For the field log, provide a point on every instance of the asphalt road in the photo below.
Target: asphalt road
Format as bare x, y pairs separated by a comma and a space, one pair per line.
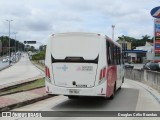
22, 70
133, 96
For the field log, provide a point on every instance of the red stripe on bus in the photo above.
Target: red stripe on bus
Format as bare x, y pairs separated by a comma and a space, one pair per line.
111, 78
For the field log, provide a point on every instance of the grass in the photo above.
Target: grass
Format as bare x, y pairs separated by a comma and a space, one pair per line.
35, 84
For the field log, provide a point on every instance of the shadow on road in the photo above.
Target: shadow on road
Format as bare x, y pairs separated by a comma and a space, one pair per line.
124, 100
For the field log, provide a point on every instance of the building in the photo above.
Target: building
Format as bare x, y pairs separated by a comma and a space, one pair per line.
125, 46
148, 47
141, 54
136, 56
150, 50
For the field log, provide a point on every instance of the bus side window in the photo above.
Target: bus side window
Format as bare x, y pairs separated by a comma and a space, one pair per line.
111, 53
116, 57
119, 56
108, 52
122, 58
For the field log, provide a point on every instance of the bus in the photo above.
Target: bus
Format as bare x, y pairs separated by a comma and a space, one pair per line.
83, 64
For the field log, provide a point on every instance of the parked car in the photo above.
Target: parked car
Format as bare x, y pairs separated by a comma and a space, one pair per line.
127, 65
151, 66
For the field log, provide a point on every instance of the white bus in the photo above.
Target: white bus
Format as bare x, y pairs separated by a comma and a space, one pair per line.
83, 64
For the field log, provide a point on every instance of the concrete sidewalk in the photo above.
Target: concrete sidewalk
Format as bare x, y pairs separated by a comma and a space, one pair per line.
11, 101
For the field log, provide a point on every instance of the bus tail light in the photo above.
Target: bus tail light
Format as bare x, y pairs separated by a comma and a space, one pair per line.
47, 72
102, 73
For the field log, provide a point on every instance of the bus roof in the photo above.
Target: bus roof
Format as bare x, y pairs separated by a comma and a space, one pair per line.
76, 33
85, 34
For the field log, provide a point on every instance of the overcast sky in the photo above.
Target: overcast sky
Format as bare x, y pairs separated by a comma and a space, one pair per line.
37, 19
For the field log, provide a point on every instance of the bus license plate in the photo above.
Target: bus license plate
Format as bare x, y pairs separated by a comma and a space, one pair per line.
71, 91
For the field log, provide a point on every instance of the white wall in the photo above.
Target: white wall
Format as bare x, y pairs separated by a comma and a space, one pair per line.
148, 47
132, 55
149, 56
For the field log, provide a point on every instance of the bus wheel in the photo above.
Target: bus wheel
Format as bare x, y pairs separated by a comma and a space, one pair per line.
123, 79
112, 96
72, 97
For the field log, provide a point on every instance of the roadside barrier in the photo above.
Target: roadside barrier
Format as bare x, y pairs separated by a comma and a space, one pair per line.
151, 78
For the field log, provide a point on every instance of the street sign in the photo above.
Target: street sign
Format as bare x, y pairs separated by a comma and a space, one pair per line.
29, 42
157, 34
157, 46
155, 12
157, 39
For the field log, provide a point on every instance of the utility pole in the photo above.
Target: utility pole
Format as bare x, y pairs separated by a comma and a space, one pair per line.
15, 41
113, 26
9, 39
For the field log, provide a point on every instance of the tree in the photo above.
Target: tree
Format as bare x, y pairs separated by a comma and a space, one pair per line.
13, 43
42, 48
31, 48
126, 38
136, 42
146, 38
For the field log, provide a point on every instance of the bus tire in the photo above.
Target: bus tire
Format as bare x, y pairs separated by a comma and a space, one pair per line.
123, 79
122, 82
51, 95
72, 97
112, 96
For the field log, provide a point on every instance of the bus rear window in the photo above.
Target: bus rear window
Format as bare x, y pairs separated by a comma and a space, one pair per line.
75, 46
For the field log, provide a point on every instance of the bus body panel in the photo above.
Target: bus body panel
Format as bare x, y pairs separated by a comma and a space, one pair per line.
80, 78
74, 74
99, 90
111, 79
85, 46
120, 75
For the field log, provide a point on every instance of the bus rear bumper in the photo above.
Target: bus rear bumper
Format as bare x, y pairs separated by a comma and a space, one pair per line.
99, 90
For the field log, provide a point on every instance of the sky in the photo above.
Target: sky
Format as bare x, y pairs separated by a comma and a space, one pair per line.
37, 19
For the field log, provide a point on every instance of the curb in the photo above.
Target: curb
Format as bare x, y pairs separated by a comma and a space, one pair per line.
18, 83
27, 102
5, 67
17, 91
38, 66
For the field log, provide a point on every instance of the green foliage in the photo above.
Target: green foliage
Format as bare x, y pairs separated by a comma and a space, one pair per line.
13, 42
42, 48
30, 48
136, 42
39, 56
